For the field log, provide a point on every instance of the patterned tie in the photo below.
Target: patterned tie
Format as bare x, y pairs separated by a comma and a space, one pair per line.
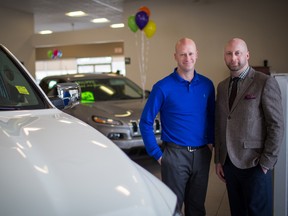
233, 92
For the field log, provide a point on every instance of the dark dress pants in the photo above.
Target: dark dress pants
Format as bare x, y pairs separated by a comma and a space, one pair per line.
186, 173
249, 190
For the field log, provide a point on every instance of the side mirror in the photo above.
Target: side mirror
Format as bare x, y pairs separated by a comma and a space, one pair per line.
69, 95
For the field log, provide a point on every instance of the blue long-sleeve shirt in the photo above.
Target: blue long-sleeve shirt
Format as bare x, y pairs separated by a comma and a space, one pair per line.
186, 112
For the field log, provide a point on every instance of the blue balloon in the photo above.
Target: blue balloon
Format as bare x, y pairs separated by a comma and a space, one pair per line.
141, 19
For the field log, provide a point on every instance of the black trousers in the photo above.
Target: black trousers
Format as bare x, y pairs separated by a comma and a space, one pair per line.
186, 173
249, 190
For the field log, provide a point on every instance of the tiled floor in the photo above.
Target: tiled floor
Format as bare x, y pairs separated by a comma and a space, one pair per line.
216, 200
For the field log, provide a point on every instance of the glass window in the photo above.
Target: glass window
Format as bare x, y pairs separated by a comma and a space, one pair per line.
108, 89
17, 90
51, 67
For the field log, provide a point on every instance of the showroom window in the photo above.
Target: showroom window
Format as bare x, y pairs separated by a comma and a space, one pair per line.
80, 65
94, 65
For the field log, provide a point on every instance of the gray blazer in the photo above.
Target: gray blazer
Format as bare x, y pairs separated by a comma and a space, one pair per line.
252, 131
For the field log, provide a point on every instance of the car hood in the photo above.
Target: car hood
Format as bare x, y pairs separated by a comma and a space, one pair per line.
75, 172
119, 109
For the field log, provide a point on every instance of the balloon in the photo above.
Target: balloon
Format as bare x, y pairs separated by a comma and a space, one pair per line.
132, 24
150, 29
55, 53
141, 19
145, 9
59, 54
50, 53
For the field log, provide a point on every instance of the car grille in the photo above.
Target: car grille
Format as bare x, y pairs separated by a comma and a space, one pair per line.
136, 130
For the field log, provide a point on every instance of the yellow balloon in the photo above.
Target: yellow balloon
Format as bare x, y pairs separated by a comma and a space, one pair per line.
150, 29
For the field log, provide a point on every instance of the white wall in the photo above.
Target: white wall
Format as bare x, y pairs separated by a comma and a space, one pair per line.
17, 30
210, 23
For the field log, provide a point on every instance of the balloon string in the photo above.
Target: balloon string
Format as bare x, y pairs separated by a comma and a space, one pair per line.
142, 60
145, 48
145, 63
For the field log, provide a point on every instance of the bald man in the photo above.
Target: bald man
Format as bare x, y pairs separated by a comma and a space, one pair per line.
185, 100
248, 133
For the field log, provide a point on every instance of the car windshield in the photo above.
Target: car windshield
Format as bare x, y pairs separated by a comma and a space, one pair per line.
17, 90
108, 89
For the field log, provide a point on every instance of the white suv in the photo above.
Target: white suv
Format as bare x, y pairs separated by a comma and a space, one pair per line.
53, 164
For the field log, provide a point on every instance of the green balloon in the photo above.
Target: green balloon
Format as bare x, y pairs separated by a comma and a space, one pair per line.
50, 53
132, 24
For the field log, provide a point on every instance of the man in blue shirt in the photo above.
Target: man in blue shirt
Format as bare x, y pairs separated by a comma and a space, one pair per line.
186, 101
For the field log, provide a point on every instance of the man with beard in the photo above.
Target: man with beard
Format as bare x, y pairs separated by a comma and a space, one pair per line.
248, 133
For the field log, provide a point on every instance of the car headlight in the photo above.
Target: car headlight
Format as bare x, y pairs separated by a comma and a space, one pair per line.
108, 121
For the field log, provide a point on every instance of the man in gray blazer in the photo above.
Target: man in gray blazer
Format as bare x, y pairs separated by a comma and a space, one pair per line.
248, 134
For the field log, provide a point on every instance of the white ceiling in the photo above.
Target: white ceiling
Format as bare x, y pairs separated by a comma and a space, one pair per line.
50, 14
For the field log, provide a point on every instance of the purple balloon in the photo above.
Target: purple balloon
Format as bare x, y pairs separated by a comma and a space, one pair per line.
141, 19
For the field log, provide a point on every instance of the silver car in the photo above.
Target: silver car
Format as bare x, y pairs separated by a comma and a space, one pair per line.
52, 163
110, 103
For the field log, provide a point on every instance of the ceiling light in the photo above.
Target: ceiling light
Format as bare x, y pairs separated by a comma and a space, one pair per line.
100, 20
118, 25
76, 14
46, 32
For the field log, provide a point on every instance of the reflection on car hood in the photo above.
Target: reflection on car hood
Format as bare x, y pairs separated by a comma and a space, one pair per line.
41, 170
129, 108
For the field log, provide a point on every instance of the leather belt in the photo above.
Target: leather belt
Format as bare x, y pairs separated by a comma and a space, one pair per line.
189, 148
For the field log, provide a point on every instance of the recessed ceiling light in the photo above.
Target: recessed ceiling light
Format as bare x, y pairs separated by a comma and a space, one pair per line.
118, 25
100, 20
46, 32
76, 14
